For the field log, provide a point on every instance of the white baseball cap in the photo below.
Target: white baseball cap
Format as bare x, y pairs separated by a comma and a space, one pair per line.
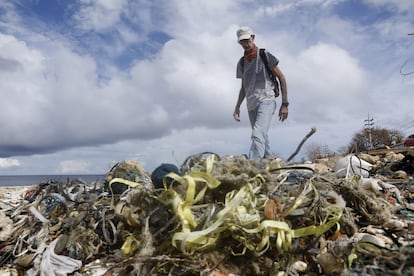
244, 33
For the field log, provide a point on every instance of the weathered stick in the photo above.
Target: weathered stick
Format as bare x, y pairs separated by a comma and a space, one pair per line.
313, 130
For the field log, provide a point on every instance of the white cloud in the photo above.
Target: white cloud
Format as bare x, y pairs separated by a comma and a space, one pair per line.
334, 82
99, 15
73, 167
59, 95
9, 163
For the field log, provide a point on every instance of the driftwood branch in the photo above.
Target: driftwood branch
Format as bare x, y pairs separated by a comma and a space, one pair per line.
313, 130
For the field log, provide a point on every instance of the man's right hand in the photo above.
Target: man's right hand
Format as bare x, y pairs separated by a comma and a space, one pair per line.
236, 116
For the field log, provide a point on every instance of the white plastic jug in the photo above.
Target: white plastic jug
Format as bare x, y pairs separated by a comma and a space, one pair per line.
351, 165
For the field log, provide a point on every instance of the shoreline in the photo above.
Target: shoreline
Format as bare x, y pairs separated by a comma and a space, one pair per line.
29, 180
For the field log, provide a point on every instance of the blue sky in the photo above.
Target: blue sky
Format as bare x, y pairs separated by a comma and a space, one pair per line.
89, 83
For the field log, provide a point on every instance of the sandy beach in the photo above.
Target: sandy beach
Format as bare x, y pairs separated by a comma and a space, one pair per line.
13, 194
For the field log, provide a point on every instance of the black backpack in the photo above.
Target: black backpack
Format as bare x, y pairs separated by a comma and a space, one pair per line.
269, 70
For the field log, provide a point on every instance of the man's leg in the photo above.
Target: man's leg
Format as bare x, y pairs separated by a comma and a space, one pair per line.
268, 152
260, 120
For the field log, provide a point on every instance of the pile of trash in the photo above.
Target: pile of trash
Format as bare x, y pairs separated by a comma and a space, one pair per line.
215, 215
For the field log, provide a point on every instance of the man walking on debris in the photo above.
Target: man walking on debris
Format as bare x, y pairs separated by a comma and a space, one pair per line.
260, 91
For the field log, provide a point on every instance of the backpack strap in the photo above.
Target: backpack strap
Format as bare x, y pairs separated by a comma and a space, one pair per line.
269, 70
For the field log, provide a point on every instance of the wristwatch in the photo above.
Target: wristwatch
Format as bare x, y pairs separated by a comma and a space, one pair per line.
285, 104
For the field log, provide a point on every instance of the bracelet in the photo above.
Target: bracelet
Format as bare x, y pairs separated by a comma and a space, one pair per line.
286, 104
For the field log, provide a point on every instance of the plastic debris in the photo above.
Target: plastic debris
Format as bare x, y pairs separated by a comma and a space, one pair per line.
53, 264
215, 215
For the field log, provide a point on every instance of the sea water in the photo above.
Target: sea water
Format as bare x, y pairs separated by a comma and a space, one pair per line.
28, 180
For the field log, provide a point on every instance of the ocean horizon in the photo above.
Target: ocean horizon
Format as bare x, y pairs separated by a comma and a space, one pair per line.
29, 180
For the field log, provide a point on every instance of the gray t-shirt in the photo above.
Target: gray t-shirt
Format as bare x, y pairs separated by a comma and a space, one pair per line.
257, 84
